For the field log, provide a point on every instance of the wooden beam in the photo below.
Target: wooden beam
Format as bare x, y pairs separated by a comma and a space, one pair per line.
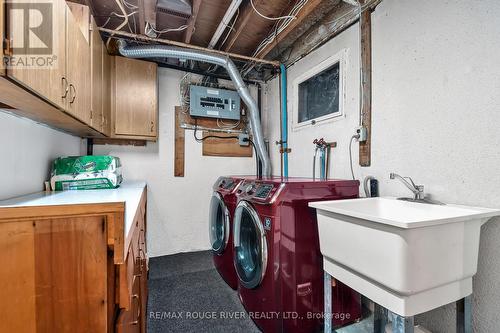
224, 147
192, 21
147, 13
303, 13
366, 87
245, 14
179, 143
333, 23
115, 34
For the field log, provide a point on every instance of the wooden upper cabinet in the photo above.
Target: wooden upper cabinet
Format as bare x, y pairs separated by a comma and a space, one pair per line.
96, 82
78, 70
134, 99
47, 81
106, 91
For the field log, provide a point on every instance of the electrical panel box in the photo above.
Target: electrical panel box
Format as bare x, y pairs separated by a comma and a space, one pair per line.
214, 103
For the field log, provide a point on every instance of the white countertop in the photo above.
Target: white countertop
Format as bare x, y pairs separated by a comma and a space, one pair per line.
129, 193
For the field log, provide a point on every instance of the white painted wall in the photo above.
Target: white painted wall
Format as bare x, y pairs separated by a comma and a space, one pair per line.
27, 150
177, 206
436, 104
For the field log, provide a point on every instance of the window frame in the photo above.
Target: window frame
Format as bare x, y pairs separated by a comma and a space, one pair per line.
341, 59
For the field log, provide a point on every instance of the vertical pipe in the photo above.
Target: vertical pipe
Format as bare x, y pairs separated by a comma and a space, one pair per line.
322, 171
284, 120
259, 105
328, 310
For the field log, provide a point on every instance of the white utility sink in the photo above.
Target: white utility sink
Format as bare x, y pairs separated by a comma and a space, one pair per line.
408, 257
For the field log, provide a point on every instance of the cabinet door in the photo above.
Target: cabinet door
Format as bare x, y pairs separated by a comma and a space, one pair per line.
96, 64
71, 258
106, 91
78, 70
48, 80
135, 101
17, 295
54, 274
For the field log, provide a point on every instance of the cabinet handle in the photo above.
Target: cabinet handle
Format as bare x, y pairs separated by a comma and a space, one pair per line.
152, 127
64, 81
72, 87
136, 297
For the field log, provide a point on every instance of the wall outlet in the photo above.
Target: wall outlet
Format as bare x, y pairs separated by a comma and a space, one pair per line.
243, 139
362, 132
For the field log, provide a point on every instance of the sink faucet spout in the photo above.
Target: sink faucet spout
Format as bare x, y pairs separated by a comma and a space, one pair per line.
418, 190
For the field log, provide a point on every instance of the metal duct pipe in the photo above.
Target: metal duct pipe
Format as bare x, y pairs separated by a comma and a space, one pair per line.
163, 51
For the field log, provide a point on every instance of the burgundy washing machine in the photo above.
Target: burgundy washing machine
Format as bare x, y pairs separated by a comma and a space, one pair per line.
277, 255
222, 206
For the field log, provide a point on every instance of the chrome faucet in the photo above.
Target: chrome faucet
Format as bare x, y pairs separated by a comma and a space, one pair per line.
418, 190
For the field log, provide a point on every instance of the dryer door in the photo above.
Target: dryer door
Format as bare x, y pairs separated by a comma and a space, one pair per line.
218, 224
250, 246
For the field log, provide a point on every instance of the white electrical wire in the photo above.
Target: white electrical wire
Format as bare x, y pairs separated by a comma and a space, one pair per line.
124, 23
222, 125
270, 18
355, 136
231, 28
279, 28
129, 5
149, 27
117, 15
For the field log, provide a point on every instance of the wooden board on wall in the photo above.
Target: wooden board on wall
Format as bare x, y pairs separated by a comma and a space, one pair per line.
224, 147
366, 86
212, 146
179, 143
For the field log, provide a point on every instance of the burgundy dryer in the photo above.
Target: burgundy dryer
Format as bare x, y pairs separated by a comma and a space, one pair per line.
277, 255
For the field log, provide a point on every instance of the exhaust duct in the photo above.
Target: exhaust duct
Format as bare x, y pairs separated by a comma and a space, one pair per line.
163, 51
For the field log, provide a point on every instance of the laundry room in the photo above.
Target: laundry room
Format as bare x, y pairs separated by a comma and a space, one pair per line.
285, 166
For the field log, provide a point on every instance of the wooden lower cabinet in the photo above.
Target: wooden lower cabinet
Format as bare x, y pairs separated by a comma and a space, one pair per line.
71, 269
133, 318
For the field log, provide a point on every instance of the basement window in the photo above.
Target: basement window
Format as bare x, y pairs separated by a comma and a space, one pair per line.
319, 93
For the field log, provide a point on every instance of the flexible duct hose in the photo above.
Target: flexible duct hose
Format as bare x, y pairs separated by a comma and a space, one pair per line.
163, 51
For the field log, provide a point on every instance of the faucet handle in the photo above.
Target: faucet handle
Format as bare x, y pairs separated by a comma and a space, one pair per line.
411, 181
420, 194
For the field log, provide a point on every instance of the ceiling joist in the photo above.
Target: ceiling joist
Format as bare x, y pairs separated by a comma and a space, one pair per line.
337, 20
304, 12
192, 21
245, 14
147, 13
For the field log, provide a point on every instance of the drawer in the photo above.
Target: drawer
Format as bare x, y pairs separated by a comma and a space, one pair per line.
131, 320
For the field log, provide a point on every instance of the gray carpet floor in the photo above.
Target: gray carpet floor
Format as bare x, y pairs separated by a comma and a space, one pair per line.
186, 294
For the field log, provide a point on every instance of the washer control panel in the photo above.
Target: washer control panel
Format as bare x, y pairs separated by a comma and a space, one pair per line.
263, 191
226, 183
256, 190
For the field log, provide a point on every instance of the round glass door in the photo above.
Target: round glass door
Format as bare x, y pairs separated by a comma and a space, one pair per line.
218, 224
250, 247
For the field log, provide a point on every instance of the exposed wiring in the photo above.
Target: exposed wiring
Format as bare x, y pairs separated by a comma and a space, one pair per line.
149, 27
222, 125
114, 14
124, 23
279, 27
231, 28
209, 136
129, 5
354, 137
270, 18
